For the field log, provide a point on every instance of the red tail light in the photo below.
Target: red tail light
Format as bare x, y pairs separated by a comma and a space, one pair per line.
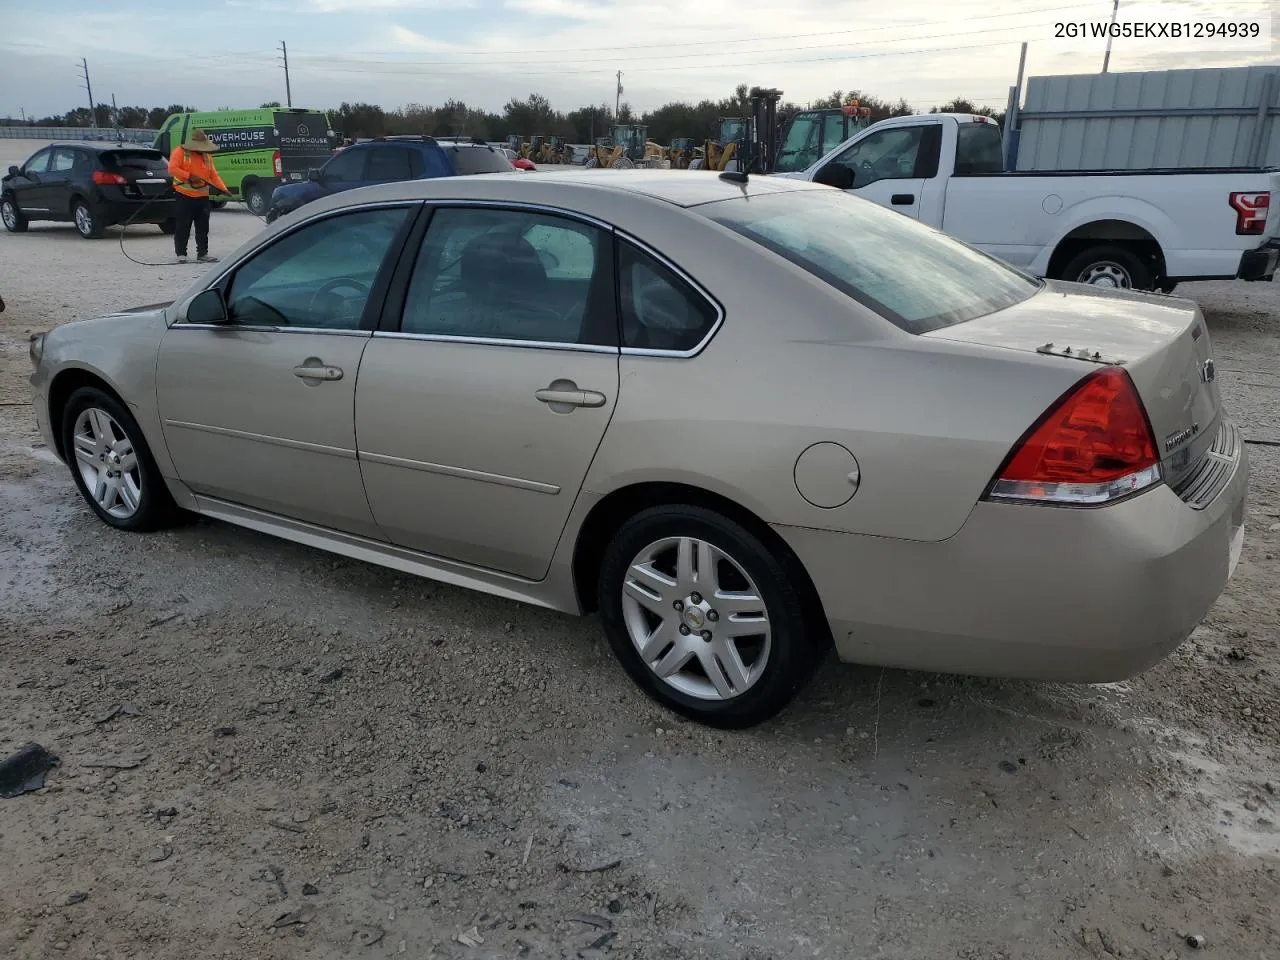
104, 179
276, 165
1251, 211
1093, 446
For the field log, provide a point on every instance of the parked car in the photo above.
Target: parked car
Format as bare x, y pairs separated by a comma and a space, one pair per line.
93, 185
388, 160
742, 419
1133, 229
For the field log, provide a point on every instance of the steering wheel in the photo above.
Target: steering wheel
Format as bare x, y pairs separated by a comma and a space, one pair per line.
329, 307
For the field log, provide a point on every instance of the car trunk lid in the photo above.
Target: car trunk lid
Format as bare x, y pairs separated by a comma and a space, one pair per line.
1163, 344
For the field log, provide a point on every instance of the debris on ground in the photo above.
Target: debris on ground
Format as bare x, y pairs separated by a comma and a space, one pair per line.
24, 771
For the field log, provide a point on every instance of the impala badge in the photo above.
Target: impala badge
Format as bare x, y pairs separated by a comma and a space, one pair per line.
1207, 371
1179, 437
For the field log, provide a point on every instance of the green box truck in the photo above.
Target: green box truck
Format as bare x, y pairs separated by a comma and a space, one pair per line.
257, 149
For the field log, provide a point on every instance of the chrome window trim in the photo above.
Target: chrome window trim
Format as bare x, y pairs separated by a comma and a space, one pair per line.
441, 202
261, 328
497, 342
697, 288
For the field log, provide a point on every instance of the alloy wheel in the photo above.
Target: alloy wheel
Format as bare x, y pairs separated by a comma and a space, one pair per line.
696, 618
108, 464
9, 214
84, 220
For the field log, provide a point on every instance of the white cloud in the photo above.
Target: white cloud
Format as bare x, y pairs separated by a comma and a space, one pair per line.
568, 9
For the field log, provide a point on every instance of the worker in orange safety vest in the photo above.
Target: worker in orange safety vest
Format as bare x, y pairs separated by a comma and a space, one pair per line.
191, 166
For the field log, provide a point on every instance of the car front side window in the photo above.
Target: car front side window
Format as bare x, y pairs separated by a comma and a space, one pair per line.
886, 155
38, 163
512, 275
320, 276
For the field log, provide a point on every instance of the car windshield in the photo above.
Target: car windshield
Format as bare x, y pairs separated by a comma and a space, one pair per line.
468, 160
914, 276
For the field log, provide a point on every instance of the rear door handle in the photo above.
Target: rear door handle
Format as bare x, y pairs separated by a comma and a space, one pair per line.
570, 397
318, 372
903, 199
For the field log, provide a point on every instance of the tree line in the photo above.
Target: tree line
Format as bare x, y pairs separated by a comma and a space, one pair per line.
532, 116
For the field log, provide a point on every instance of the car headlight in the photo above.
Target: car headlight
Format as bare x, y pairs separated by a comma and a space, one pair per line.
35, 349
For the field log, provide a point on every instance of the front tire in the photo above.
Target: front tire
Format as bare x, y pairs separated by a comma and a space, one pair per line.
704, 617
112, 465
12, 217
88, 223
1109, 266
217, 203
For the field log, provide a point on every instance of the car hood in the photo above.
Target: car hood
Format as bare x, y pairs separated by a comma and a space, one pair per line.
295, 193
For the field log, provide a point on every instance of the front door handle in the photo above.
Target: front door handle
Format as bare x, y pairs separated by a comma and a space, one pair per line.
317, 371
565, 393
903, 199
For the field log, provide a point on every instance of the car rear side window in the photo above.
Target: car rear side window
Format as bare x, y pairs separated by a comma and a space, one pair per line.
64, 159
978, 149
477, 159
916, 277
515, 275
659, 310
392, 163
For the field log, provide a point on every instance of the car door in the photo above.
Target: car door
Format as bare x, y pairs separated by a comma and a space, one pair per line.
29, 191
893, 166
479, 414
258, 411
57, 182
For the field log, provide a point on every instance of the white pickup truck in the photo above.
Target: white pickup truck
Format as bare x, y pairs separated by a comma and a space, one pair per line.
1143, 229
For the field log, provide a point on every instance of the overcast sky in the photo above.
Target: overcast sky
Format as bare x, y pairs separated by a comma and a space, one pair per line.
219, 53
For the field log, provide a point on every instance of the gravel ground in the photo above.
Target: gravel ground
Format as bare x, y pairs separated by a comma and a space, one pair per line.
270, 752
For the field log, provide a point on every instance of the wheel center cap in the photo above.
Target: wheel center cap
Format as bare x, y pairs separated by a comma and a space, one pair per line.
694, 617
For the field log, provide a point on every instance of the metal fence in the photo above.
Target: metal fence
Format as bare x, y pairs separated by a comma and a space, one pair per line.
129, 134
1206, 117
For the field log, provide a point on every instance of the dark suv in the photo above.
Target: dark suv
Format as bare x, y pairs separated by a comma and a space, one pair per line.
93, 185
387, 160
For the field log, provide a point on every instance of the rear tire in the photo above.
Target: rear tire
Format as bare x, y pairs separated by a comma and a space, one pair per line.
96, 425
13, 219
257, 199
1110, 267
168, 226
88, 221
671, 616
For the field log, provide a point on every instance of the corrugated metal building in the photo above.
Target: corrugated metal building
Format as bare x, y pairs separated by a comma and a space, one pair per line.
1155, 119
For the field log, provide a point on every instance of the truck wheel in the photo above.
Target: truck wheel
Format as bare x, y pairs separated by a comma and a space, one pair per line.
1108, 266
217, 204
257, 198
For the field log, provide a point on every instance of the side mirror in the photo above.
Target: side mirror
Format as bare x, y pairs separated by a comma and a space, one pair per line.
314, 175
208, 307
835, 175
14, 171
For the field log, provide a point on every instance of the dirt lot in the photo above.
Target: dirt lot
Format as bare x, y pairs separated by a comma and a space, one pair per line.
269, 752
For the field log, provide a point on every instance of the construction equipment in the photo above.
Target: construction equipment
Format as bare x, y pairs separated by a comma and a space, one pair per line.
811, 134
744, 144
605, 153
554, 150
681, 153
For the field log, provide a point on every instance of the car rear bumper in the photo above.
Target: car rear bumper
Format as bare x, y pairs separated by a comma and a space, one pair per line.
120, 210
1260, 263
1038, 593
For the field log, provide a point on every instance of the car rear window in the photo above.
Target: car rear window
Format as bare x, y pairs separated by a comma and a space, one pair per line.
148, 160
468, 160
918, 278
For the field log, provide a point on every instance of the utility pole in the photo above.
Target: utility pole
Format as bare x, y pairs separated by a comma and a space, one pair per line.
93, 114
617, 101
288, 93
1106, 57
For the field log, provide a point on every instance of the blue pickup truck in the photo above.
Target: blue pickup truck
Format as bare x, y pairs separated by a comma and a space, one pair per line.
387, 160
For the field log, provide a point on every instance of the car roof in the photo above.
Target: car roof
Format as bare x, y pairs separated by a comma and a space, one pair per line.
682, 188
101, 145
